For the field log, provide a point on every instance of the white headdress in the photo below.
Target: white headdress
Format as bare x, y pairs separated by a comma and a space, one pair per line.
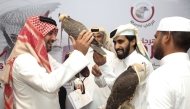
107, 41
130, 29
174, 24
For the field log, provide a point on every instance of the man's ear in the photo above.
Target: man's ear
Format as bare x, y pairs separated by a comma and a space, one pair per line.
167, 37
133, 42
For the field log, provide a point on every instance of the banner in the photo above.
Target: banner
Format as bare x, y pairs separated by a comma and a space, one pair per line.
144, 14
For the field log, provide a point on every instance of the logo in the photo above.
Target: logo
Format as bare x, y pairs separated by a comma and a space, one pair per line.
1, 66
2, 62
142, 11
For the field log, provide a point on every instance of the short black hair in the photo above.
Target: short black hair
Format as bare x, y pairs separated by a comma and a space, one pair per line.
48, 20
131, 38
180, 39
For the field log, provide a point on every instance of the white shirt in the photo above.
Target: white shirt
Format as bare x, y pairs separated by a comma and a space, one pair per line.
34, 88
99, 95
112, 69
168, 86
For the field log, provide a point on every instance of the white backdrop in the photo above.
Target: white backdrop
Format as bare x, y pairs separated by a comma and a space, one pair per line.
106, 13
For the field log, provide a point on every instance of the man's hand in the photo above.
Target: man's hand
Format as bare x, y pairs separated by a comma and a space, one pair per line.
83, 41
99, 59
79, 86
96, 71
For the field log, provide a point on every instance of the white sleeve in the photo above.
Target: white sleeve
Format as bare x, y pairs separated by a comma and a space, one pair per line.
108, 72
159, 95
54, 65
100, 81
37, 77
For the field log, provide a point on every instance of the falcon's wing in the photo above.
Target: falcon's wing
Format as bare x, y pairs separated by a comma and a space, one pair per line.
72, 27
14, 20
123, 88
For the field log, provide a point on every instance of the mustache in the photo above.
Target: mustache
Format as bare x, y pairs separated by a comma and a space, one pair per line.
119, 49
51, 41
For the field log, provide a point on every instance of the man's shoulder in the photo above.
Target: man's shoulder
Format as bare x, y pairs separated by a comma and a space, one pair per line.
158, 73
25, 57
140, 57
24, 61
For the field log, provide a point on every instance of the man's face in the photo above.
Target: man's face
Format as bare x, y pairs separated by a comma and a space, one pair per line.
158, 49
121, 46
99, 37
49, 39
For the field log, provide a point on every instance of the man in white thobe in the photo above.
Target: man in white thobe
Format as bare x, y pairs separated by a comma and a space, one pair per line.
130, 50
168, 87
32, 77
99, 95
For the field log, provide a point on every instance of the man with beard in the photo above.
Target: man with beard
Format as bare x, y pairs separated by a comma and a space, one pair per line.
168, 87
99, 95
130, 50
31, 76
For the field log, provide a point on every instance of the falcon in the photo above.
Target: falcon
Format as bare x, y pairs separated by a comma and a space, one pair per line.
73, 28
124, 88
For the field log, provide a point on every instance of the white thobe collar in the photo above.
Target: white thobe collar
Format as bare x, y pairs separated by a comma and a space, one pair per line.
129, 58
174, 57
